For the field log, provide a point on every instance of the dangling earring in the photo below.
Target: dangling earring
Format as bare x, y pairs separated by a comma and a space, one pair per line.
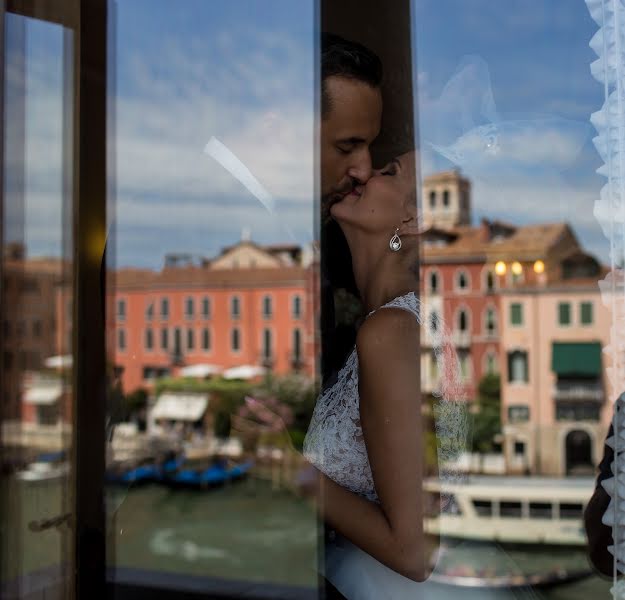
395, 243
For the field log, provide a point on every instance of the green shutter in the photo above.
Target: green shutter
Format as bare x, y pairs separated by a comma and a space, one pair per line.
586, 313
576, 358
516, 314
564, 313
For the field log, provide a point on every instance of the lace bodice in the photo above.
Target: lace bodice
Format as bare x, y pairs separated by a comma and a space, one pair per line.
334, 442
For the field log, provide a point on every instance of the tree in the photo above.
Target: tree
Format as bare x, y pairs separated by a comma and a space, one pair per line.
487, 419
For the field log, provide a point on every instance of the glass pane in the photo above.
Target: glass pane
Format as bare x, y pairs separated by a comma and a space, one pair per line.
505, 97
214, 219
37, 400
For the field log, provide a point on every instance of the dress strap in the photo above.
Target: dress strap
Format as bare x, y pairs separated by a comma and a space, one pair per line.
408, 302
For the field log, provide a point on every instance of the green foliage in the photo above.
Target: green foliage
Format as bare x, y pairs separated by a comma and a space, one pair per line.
487, 420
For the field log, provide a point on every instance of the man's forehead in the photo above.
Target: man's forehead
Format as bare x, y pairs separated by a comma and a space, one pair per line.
355, 111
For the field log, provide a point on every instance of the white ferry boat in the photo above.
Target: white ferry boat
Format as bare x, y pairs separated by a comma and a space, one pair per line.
516, 510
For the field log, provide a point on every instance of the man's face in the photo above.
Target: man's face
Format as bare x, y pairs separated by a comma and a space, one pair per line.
352, 123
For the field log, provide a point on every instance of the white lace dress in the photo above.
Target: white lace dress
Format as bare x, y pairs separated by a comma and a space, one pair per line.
335, 445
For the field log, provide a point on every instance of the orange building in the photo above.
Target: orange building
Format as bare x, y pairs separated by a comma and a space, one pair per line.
251, 306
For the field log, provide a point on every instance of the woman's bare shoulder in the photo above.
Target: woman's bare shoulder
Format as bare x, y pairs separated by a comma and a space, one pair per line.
388, 329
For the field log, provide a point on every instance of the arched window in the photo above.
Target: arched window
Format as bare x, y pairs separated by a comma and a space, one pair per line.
297, 307
235, 340
434, 282
490, 281
463, 320
235, 307
446, 198
267, 308
462, 280
297, 345
433, 321
267, 343
517, 367
206, 339
432, 199
490, 321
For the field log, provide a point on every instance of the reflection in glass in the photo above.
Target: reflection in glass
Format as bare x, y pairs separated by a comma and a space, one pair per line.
37, 400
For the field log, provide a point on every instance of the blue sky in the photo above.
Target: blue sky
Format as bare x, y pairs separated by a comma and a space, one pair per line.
243, 71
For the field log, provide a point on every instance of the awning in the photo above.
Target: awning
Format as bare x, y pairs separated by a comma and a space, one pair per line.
200, 371
576, 358
43, 394
244, 372
180, 407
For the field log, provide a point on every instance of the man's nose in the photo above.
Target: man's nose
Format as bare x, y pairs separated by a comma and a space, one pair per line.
361, 170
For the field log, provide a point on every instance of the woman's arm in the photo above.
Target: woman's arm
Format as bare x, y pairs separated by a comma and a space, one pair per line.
390, 412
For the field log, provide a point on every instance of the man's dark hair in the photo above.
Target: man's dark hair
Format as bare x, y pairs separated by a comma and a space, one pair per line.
343, 58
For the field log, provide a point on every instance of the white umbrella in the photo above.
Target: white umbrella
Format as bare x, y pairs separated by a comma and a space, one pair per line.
59, 361
244, 372
201, 370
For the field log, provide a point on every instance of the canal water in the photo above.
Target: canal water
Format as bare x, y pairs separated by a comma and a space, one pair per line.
250, 532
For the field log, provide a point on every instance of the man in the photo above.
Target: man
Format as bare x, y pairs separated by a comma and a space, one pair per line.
600, 535
351, 113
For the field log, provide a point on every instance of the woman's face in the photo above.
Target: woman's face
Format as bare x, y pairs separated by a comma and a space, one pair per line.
385, 202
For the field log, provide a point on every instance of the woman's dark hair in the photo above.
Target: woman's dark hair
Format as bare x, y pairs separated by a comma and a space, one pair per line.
343, 58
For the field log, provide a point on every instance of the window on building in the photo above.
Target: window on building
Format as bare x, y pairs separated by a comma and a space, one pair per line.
517, 367
577, 410
190, 339
267, 307
206, 339
463, 320
267, 345
433, 282
235, 340
149, 311
432, 199
177, 342
297, 345
121, 310
585, 313
121, 339
490, 322
164, 338
235, 307
518, 413
164, 308
149, 339
491, 364
434, 321
446, 198
206, 308
189, 308
490, 281
464, 362
519, 448
462, 280
297, 307
564, 313
516, 314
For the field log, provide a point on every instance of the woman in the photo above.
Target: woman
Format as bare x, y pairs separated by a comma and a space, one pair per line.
366, 439
366, 436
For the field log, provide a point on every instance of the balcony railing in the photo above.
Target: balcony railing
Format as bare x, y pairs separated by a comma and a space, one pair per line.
462, 339
578, 391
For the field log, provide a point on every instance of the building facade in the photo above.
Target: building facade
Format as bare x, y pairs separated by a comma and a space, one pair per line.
251, 306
